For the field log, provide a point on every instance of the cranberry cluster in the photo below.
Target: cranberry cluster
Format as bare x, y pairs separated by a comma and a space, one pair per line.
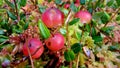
52, 18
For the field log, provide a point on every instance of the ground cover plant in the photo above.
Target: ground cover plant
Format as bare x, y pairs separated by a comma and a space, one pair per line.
59, 33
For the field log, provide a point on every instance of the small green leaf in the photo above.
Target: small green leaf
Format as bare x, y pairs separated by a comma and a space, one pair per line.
87, 27
77, 47
118, 18
110, 3
69, 55
4, 45
93, 31
26, 25
114, 47
2, 10
65, 11
82, 2
107, 30
59, 2
42, 8
78, 35
73, 7
97, 15
22, 16
23, 2
75, 20
63, 31
2, 31
16, 29
10, 4
118, 2
97, 3
1, 2
105, 17
49, 0
118, 57
90, 9
43, 30
11, 15
97, 38
3, 38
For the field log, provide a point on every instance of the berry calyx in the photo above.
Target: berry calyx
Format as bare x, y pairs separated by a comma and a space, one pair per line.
56, 42
53, 17
35, 46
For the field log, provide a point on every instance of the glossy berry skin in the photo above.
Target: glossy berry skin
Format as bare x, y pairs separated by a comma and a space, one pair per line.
85, 16
66, 6
53, 17
55, 43
33, 44
77, 3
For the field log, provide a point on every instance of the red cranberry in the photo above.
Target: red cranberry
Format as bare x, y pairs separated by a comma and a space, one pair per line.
56, 42
66, 6
85, 16
33, 45
53, 17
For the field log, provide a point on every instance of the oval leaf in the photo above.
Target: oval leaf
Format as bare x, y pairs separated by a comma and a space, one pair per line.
69, 55
75, 20
10, 4
73, 7
105, 18
78, 35
3, 38
82, 2
11, 15
23, 2
77, 47
43, 30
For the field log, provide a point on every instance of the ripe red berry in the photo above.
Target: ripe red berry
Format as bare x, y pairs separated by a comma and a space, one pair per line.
53, 17
77, 3
56, 42
33, 45
85, 16
66, 6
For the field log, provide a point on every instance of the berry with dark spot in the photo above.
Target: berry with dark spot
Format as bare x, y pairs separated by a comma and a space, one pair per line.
35, 46
56, 42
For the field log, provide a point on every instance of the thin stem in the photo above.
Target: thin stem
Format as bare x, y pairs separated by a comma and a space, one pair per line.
78, 60
112, 17
31, 60
16, 10
32, 1
4, 42
68, 17
56, 30
66, 23
104, 33
68, 38
36, 2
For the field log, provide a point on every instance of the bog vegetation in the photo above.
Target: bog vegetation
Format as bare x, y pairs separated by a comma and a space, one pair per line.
59, 33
